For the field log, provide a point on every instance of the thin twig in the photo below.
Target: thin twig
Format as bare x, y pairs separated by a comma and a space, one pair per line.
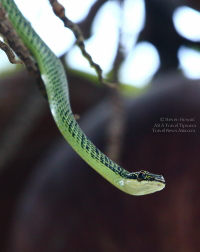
10, 54
59, 11
14, 41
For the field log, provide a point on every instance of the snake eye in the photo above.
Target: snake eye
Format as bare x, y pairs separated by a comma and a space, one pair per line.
141, 176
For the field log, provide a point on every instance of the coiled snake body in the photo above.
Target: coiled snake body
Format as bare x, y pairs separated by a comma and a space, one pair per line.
53, 75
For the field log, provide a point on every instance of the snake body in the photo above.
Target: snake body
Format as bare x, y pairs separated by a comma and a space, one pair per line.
53, 75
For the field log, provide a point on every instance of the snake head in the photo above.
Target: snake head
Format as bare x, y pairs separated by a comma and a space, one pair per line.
143, 182
147, 176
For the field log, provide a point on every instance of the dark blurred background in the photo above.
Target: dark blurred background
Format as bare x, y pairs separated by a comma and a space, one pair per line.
51, 200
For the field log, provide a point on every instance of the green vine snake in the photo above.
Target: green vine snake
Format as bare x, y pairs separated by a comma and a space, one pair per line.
54, 78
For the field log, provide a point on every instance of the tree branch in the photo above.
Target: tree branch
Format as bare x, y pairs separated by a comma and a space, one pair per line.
14, 41
59, 11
